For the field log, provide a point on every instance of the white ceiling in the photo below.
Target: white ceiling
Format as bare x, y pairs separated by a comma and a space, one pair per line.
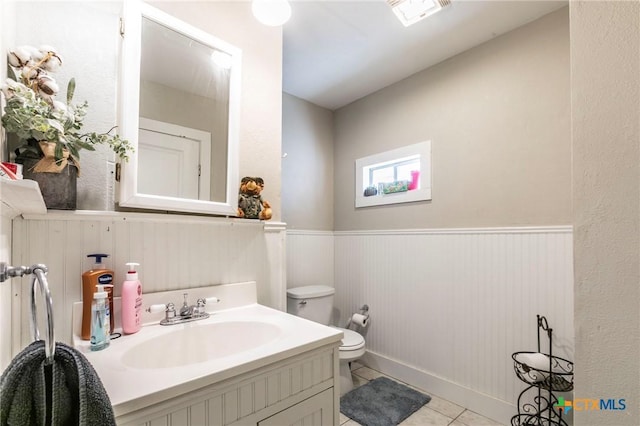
336, 52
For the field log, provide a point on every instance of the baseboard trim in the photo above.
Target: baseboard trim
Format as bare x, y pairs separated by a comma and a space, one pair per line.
498, 410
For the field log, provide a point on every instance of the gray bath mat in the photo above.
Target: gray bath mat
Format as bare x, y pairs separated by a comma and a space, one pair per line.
381, 402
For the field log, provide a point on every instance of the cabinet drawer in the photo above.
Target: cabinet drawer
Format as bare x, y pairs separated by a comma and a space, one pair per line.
315, 411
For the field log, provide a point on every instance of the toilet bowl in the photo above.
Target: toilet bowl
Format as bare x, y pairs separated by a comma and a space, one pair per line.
315, 303
351, 349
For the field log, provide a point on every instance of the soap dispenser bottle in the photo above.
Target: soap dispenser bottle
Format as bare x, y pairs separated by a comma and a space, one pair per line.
100, 329
97, 275
131, 301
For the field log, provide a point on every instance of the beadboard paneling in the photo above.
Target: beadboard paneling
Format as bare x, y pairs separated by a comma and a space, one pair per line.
5, 289
175, 252
248, 400
452, 303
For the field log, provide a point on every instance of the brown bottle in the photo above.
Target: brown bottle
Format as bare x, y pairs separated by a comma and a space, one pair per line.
96, 275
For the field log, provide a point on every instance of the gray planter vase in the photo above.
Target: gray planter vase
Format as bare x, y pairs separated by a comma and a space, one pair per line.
58, 189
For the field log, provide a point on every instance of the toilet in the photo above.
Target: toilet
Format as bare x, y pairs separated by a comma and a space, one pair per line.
315, 303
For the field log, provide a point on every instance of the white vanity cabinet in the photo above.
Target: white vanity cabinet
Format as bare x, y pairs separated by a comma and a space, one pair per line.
246, 364
302, 389
317, 410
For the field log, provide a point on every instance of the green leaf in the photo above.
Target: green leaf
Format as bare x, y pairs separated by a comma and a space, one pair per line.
71, 88
58, 152
30, 148
84, 145
73, 151
55, 124
11, 73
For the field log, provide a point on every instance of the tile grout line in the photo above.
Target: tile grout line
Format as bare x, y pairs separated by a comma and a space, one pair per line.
463, 411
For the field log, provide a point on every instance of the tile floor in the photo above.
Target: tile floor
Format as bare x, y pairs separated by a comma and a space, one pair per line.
438, 412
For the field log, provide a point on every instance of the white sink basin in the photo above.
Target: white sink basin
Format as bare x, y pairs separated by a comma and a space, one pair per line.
198, 343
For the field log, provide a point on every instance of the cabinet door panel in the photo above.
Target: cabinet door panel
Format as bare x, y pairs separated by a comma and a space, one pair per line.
315, 411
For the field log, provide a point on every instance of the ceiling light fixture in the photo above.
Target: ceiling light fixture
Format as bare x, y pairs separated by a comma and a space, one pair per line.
411, 11
271, 12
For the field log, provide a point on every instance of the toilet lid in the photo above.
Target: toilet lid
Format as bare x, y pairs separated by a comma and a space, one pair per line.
310, 291
351, 339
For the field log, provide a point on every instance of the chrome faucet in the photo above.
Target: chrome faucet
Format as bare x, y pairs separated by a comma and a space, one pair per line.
187, 312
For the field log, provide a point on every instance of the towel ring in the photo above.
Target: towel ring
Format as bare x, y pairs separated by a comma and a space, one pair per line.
39, 276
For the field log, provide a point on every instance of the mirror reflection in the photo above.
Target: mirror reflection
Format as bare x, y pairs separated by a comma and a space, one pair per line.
180, 103
184, 116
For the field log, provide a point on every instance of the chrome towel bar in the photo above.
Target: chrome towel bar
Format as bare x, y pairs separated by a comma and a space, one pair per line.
38, 281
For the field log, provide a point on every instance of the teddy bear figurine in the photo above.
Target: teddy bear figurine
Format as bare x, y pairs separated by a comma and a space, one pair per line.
250, 202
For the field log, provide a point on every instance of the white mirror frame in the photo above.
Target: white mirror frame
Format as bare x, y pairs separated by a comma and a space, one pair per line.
129, 101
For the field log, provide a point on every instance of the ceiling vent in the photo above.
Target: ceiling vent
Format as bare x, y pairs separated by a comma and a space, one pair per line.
411, 11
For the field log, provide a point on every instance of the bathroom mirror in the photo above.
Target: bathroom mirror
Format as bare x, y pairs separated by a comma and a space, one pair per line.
179, 106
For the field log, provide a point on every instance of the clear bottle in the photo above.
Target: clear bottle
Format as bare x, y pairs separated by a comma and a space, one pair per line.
100, 329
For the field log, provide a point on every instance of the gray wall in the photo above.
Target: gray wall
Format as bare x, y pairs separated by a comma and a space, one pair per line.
605, 74
307, 169
498, 119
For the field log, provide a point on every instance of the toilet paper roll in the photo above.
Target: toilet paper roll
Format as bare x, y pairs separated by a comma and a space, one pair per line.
361, 320
537, 366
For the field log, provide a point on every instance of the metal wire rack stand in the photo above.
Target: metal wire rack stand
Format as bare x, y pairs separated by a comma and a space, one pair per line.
545, 374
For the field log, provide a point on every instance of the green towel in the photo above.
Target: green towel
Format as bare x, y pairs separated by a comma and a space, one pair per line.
68, 392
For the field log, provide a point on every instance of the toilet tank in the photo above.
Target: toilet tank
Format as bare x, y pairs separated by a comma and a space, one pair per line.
314, 302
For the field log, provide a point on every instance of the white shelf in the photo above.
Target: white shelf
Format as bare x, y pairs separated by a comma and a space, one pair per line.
21, 196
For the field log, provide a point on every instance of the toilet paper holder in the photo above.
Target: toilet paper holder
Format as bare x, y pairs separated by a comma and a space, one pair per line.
364, 310
360, 319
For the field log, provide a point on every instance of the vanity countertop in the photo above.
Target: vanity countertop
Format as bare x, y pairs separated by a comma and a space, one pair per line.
131, 389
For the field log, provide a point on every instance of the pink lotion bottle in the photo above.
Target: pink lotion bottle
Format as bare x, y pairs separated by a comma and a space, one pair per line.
131, 301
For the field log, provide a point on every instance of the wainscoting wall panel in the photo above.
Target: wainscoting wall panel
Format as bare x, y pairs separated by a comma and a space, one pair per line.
175, 252
5, 288
452, 305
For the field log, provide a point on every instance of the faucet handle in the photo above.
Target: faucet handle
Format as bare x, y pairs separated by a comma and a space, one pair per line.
200, 304
199, 308
170, 311
154, 309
